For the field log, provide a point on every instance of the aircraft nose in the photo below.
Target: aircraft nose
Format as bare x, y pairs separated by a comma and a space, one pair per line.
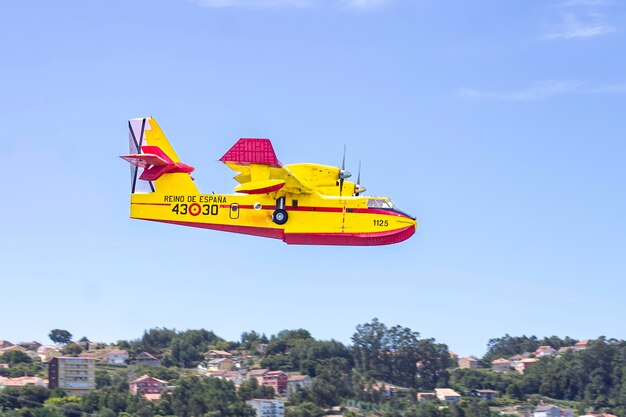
405, 232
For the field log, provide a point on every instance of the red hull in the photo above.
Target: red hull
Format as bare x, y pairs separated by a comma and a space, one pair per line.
337, 239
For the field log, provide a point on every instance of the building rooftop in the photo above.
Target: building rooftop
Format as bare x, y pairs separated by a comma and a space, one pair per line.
75, 358
144, 377
545, 407
219, 352
258, 372
298, 377
146, 354
447, 392
22, 381
220, 360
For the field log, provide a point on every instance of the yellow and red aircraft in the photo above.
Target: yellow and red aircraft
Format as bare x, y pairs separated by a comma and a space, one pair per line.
300, 203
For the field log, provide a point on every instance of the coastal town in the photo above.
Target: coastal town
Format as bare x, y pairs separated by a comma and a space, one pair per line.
71, 371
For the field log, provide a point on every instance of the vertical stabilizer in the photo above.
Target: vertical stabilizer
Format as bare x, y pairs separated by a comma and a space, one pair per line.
155, 167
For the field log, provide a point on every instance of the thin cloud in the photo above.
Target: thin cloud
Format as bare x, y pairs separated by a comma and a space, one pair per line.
366, 4
543, 90
573, 3
252, 3
608, 89
572, 27
350, 4
536, 92
579, 20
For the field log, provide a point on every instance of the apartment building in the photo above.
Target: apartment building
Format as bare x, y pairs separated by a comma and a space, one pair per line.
75, 375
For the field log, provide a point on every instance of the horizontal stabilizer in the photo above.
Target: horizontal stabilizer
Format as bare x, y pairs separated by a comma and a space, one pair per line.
144, 160
155, 163
252, 151
155, 172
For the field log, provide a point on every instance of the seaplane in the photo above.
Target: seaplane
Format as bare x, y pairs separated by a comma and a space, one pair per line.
302, 203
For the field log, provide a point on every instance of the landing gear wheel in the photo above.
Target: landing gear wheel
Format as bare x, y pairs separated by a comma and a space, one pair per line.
280, 216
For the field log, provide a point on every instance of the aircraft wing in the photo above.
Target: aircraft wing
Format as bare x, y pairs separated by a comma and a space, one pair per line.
259, 170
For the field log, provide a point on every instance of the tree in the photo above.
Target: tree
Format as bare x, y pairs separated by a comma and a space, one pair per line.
510, 345
250, 339
250, 388
13, 357
406, 352
306, 354
398, 356
285, 340
514, 392
332, 383
60, 336
477, 409
31, 395
9, 399
198, 396
370, 349
154, 340
103, 379
306, 409
24, 369
72, 349
189, 347
434, 360
160, 372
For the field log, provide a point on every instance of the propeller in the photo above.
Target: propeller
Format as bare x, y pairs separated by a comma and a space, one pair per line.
358, 188
343, 174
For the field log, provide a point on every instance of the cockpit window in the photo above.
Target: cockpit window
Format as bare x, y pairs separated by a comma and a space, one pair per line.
386, 204
372, 203
375, 203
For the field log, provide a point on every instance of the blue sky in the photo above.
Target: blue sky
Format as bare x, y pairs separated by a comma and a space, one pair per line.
500, 125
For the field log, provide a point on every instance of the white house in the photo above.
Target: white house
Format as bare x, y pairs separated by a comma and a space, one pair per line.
583, 344
468, 363
46, 353
447, 395
296, 382
500, 365
545, 351
525, 363
267, 408
552, 411
117, 357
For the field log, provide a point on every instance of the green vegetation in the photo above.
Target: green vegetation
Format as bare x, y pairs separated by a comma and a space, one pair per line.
72, 349
20, 364
393, 354
592, 378
511, 345
358, 376
60, 336
13, 357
